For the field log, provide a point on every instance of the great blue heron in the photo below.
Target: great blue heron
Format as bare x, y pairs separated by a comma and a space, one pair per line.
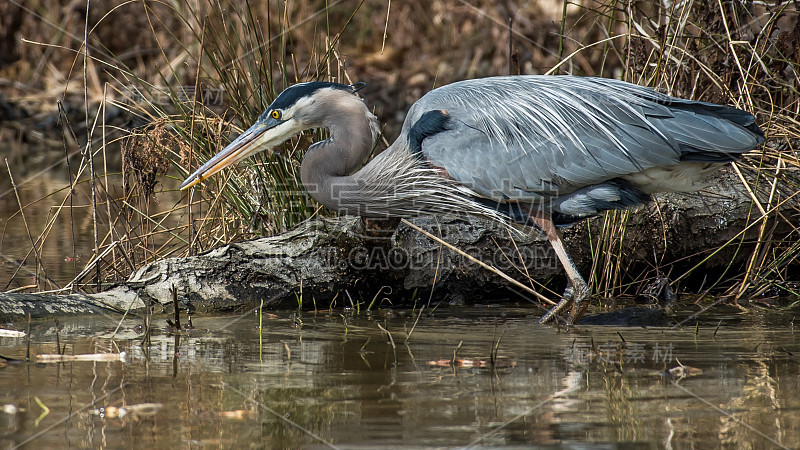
541, 150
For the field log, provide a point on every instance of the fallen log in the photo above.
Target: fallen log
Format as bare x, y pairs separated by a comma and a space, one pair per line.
340, 261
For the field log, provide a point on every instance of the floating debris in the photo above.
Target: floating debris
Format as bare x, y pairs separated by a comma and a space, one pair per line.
5, 360
93, 357
11, 333
236, 414
682, 371
130, 411
499, 363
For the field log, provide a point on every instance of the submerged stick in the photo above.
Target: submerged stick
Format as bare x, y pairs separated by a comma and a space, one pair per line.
391, 340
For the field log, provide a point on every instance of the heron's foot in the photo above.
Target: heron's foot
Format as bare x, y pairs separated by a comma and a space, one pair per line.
571, 295
548, 316
566, 299
580, 301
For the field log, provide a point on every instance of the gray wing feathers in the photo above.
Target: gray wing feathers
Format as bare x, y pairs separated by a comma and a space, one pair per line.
534, 136
702, 132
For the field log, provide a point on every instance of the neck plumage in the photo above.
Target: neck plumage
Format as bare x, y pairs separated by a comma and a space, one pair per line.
327, 170
396, 183
385, 187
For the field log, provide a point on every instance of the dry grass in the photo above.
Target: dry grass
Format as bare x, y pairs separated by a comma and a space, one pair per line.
199, 70
731, 53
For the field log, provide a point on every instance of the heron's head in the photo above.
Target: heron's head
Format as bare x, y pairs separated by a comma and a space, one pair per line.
300, 107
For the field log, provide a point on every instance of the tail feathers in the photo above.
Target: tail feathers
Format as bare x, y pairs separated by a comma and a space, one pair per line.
742, 118
702, 129
692, 155
713, 133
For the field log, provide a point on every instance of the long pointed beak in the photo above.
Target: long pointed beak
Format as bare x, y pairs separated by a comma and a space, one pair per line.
261, 136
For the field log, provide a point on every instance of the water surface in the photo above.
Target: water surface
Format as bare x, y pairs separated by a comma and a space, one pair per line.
334, 378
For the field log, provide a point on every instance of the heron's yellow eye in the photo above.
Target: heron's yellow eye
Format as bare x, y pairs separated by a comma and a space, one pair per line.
276, 114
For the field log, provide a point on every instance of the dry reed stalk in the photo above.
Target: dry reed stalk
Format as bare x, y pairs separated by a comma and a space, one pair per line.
27, 228
89, 143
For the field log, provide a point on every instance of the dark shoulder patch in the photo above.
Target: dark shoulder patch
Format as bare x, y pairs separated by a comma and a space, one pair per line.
429, 123
294, 93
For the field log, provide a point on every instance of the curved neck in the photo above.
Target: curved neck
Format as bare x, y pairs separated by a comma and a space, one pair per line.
328, 165
393, 184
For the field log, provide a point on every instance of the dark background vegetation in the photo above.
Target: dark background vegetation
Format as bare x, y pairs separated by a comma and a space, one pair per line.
705, 50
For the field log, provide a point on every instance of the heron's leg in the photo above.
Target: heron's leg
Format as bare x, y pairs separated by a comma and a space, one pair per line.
578, 290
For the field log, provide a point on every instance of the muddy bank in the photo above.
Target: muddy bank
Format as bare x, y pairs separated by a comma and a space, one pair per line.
339, 262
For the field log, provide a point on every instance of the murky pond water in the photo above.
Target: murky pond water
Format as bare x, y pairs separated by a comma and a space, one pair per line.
334, 378
62, 228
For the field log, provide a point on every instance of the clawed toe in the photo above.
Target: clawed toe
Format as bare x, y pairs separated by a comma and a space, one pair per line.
577, 297
580, 302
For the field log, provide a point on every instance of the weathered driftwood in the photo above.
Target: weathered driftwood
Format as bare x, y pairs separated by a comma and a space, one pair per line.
336, 260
